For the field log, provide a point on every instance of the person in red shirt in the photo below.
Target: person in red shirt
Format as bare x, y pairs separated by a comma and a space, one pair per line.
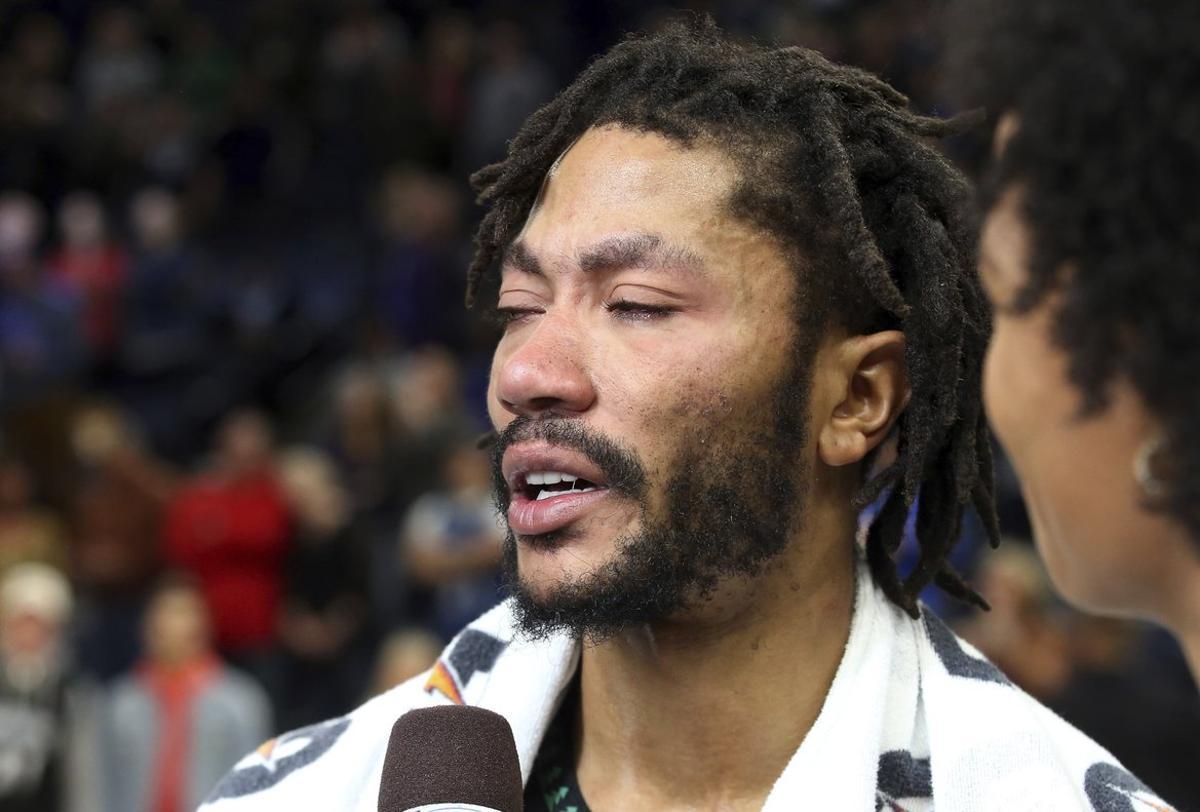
230, 528
92, 266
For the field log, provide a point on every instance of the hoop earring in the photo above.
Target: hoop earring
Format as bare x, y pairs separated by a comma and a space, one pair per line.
1151, 484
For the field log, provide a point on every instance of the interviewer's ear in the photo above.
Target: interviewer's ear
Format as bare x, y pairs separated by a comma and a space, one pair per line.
872, 385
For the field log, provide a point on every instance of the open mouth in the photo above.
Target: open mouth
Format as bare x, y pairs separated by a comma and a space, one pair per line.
537, 486
552, 487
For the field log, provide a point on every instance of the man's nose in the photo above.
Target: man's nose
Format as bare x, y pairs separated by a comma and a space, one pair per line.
547, 373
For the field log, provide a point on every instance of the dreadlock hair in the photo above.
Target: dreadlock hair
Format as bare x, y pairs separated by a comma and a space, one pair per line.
1106, 155
836, 168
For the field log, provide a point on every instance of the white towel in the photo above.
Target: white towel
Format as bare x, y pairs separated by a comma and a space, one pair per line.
915, 720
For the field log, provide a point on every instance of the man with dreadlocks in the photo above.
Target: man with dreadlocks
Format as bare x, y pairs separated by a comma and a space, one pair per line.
738, 305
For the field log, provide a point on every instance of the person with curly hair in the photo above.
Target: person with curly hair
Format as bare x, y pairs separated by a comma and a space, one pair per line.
738, 303
1090, 255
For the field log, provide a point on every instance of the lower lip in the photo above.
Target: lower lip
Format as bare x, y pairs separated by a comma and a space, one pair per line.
530, 517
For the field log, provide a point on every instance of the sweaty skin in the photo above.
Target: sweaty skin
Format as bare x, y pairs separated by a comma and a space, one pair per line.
701, 710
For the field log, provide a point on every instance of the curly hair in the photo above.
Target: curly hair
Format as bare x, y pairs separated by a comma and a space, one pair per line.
836, 168
1106, 154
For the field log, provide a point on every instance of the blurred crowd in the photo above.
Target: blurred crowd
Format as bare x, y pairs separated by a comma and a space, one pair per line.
239, 395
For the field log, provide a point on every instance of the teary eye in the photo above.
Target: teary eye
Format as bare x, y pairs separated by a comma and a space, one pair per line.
638, 311
504, 316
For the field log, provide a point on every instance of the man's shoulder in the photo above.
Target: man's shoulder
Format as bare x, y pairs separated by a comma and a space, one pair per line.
981, 724
337, 764
327, 765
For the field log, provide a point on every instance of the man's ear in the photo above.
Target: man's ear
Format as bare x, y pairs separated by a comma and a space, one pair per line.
872, 390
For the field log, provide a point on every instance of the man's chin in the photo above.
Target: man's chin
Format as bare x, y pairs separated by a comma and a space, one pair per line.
549, 612
550, 599
587, 606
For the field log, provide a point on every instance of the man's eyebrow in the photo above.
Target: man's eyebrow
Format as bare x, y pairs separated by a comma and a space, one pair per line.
629, 250
518, 257
610, 254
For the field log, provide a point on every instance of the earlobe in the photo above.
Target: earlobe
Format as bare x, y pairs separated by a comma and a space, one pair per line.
872, 391
838, 448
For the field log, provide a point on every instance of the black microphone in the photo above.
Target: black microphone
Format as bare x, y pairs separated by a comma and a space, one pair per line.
451, 758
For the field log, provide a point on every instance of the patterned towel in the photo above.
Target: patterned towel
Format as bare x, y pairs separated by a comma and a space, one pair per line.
915, 720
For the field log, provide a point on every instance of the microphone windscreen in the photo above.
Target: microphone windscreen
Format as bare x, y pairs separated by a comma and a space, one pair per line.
451, 754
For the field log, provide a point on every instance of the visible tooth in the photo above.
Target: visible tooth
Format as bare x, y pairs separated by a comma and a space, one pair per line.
584, 490
545, 495
568, 477
551, 477
535, 478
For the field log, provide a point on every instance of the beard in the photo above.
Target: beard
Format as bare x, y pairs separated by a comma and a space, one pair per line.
727, 512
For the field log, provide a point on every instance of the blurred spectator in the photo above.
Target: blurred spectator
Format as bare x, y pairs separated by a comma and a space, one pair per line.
34, 102
121, 491
164, 308
369, 448
27, 532
183, 718
1022, 634
204, 68
230, 527
325, 600
92, 267
428, 398
166, 314
419, 275
403, 655
39, 342
363, 41
161, 139
243, 152
117, 65
121, 495
510, 85
383, 468
48, 716
449, 44
451, 540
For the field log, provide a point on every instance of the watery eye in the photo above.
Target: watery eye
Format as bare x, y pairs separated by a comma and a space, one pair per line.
637, 310
504, 316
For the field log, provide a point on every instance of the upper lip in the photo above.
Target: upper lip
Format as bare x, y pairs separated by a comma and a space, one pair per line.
523, 458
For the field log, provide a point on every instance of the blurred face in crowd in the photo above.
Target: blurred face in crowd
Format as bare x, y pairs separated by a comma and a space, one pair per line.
649, 390
81, 220
1090, 517
176, 626
154, 214
20, 230
28, 634
244, 443
35, 604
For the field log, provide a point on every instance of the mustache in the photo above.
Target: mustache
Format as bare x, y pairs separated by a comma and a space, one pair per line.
624, 473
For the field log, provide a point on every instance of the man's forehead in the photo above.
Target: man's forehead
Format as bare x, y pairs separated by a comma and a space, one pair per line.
613, 168
621, 198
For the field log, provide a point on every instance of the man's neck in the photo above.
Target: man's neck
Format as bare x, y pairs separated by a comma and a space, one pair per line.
707, 714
